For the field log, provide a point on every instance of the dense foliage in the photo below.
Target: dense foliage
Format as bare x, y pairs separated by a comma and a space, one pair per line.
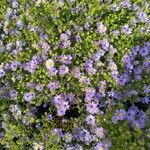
75, 74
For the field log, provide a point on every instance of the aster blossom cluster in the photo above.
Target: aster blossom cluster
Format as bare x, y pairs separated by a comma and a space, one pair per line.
74, 75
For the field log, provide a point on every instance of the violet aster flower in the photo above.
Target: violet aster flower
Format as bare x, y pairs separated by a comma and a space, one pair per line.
100, 132
14, 65
105, 44
92, 108
100, 146
15, 4
132, 111
63, 70
20, 24
145, 100
107, 143
138, 124
147, 89
124, 78
50, 117
2, 73
64, 37
67, 137
65, 59
90, 119
144, 51
72, 99
45, 46
29, 96
96, 56
62, 108
84, 80
90, 92
39, 87
101, 28
125, 29
1, 135
58, 132
142, 16
87, 25
13, 94
53, 85
52, 71
76, 72
66, 44
120, 114
89, 67
78, 38
9, 46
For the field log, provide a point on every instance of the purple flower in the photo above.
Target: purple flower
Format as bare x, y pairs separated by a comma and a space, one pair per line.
20, 24
66, 59
105, 44
138, 123
76, 72
50, 117
120, 114
147, 89
1, 135
101, 28
78, 38
125, 29
15, 4
92, 108
87, 26
72, 99
45, 46
89, 67
145, 100
66, 44
64, 37
132, 112
62, 108
67, 137
144, 51
90, 92
53, 85
84, 80
29, 96
100, 132
90, 119
58, 132
9, 46
63, 70
52, 71
100, 146
2, 73
39, 87
142, 16
96, 56
123, 79
13, 94
14, 65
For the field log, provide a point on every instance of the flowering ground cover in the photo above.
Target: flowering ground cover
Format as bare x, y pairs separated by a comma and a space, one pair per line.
74, 74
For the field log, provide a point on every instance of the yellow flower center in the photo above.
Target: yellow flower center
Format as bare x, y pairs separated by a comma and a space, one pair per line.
101, 148
49, 63
120, 114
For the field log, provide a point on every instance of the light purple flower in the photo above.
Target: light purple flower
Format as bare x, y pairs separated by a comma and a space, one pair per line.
125, 29
92, 108
29, 96
90, 119
53, 85
63, 70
